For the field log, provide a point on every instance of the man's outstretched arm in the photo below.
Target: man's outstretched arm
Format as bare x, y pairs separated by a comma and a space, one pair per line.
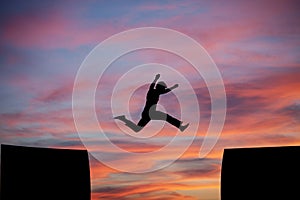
170, 88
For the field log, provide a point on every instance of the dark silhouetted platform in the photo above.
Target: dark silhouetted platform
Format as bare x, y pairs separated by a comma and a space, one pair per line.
43, 173
261, 173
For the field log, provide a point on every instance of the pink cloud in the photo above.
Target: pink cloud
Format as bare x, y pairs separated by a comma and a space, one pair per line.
255, 107
52, 31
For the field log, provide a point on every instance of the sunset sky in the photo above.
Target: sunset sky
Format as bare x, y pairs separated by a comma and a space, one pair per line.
254, 44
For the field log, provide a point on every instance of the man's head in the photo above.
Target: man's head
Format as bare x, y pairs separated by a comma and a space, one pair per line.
161, 86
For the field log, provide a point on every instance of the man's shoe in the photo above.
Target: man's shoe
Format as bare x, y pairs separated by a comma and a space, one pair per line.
182, 128
121, 117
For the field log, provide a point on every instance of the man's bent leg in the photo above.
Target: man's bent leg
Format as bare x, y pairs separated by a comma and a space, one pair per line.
158, 115
172, 120
177, 123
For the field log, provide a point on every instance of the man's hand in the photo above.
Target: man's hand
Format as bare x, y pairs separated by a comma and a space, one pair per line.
157, 76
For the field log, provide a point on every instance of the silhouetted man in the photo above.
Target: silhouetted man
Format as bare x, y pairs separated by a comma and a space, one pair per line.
150, 112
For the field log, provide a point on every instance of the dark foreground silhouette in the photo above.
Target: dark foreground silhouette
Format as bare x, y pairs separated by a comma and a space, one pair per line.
44, 173
261, 173
150, 112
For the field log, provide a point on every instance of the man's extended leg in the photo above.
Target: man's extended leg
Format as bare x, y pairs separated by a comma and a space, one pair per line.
130, 124
144, 120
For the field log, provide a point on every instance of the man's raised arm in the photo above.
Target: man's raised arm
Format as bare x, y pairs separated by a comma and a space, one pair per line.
154, 81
